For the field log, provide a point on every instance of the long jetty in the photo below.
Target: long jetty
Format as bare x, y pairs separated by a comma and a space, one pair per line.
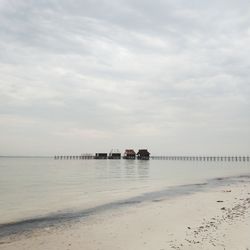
167, 158
201, 158
74, 157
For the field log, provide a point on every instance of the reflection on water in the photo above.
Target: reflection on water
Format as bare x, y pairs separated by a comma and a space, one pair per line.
31, 187
121, 169
114, 169
143, 169
130, 168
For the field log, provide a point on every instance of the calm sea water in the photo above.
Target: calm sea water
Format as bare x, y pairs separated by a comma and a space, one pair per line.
36, 187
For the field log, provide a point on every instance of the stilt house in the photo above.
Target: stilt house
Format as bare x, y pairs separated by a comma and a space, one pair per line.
101, 156
114, 154
129, 154
143, 154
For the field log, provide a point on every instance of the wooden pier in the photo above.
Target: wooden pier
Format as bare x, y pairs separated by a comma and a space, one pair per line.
167, 158
202, 158
74, 157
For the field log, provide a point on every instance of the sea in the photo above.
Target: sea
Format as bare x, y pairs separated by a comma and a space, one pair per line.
33, 188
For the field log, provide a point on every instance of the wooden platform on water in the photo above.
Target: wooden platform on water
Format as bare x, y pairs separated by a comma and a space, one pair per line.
167, 158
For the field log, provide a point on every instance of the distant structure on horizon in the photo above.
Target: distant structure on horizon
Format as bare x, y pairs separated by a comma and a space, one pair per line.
101, 156
143, 154
114, 154
129, 154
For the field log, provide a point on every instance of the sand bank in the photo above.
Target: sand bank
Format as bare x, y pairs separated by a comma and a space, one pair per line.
216, 218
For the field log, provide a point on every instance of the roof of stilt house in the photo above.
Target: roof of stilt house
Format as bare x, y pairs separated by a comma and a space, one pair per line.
143, 151
130, 151
114, 151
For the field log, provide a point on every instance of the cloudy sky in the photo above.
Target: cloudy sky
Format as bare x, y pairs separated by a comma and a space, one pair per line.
90, 75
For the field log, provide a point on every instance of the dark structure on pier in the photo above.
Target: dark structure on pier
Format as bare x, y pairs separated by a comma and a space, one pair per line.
129, 154
101, 156
143, 154
114, 154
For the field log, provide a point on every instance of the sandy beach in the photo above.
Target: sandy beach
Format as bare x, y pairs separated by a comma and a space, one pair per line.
217, 218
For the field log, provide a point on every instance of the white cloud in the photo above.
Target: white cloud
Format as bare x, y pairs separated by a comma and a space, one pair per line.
161, 73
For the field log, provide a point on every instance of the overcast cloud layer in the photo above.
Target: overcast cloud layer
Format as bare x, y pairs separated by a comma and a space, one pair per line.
86, 76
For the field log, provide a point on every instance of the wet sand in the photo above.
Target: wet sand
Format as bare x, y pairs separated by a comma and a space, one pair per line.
213, 218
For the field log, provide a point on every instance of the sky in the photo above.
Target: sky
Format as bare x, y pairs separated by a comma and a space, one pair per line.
85, 76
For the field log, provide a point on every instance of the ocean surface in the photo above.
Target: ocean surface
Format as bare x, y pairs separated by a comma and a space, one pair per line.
36, 187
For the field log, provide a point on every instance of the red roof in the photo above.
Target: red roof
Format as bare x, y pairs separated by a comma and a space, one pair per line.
130, 151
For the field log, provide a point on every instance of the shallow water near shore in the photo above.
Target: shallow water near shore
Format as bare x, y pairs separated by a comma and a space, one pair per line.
33, 188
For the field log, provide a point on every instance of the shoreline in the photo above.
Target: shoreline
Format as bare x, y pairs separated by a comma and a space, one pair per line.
207, 205
68, 216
